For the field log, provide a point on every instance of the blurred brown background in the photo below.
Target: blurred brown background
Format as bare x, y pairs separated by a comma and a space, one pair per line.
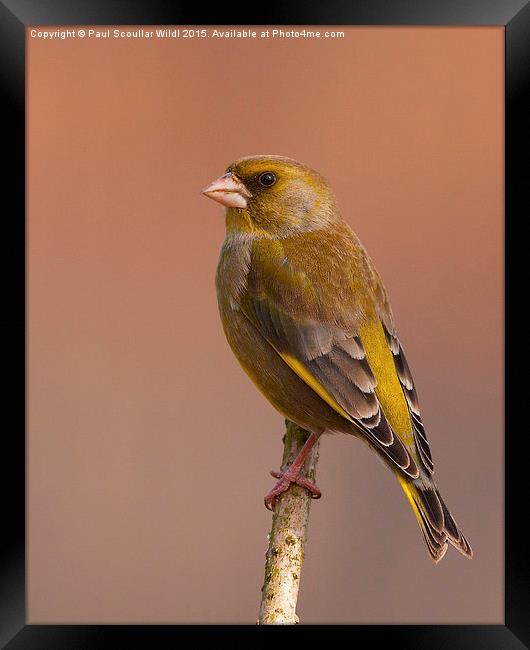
148, 447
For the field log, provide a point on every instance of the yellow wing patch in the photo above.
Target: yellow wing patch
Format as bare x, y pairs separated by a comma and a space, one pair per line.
408, 491
304, 374
388, 388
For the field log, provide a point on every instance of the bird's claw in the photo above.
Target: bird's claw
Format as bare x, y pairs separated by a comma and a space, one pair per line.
285, 480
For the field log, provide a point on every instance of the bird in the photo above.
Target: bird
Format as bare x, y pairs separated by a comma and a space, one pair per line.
307, 316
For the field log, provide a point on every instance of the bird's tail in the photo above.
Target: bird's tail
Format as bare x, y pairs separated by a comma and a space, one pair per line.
436, 523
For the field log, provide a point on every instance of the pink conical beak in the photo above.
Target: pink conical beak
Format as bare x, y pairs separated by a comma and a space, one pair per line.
229, 191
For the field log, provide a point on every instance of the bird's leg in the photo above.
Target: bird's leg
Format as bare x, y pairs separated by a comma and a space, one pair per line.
292, 475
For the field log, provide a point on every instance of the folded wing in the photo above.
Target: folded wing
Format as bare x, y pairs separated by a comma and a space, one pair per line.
331, 360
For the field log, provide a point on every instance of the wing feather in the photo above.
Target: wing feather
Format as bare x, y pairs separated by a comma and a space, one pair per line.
407, 383
333, 362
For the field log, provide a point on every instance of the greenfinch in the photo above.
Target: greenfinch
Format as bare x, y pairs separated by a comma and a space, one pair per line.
307, 316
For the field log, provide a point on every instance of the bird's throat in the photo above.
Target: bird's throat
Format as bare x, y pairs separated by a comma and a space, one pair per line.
239, 222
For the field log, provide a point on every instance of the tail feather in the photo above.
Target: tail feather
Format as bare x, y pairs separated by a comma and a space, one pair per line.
435, 520
454, 535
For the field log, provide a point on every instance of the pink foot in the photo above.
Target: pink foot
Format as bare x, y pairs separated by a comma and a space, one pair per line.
286, 478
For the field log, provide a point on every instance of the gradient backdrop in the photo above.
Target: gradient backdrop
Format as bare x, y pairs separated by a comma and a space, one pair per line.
148, 447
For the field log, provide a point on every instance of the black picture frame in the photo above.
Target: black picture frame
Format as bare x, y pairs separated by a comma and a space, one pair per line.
15, 15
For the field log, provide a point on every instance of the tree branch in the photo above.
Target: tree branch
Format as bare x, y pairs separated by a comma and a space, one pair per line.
287, 538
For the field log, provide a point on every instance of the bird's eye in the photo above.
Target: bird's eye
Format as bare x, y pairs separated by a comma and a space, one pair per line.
267, 179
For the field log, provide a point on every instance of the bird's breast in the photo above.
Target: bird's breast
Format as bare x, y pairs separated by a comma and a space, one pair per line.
232, 271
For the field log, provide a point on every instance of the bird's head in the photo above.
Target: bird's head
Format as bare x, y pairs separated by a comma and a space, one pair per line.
273, 196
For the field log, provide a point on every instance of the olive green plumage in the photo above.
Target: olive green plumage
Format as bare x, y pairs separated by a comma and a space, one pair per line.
307, 316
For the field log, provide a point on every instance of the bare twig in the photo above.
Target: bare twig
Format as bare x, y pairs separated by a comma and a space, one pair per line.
287, 538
